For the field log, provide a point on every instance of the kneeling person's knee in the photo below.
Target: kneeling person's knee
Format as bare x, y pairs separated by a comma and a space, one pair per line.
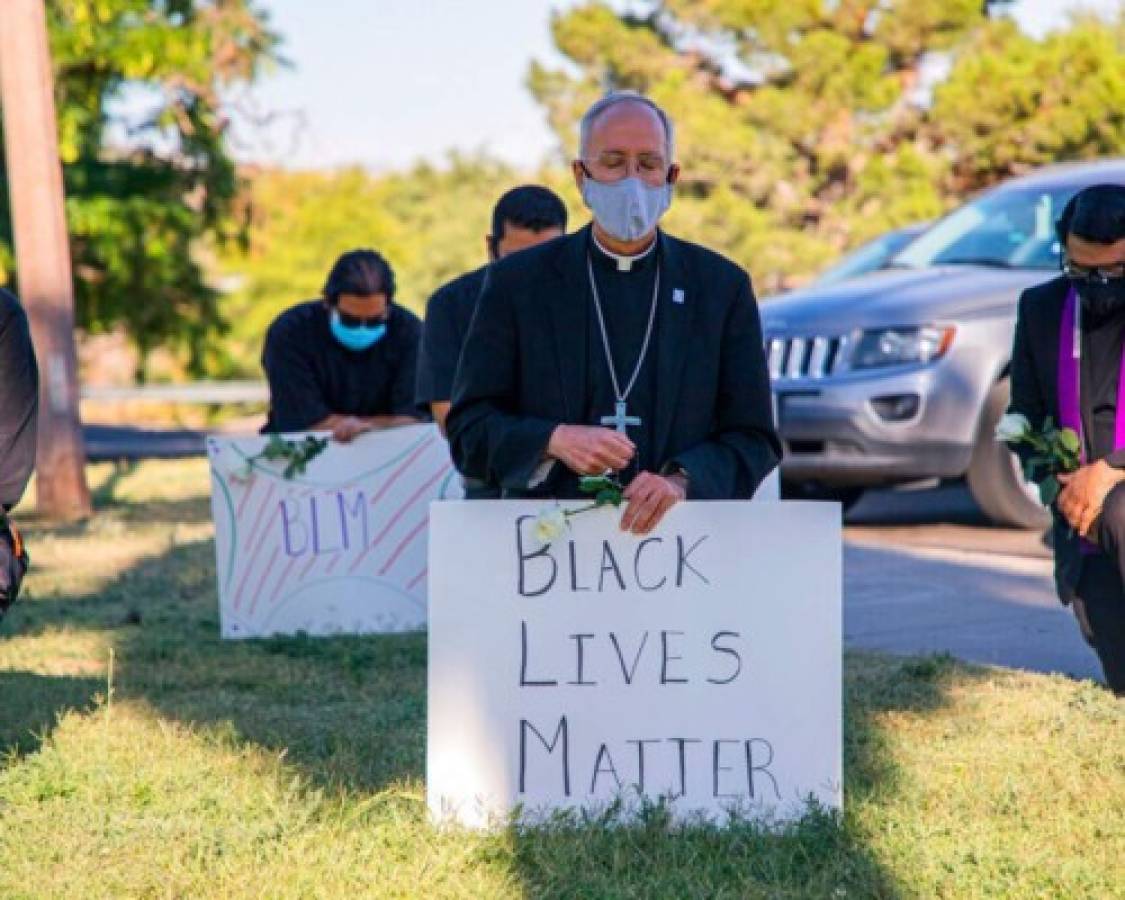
1113, 515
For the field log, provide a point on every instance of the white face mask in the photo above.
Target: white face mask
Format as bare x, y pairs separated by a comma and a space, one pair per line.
627, 209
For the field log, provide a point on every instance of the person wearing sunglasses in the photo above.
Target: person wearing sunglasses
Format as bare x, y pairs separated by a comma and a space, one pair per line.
1068, 364
345, 363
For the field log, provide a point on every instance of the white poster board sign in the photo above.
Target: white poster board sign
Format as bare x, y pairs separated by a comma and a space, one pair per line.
701, 664
339, 549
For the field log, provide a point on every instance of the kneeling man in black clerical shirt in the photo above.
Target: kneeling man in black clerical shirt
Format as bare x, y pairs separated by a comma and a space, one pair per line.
523, 217
345, 363
1068, 363
618, 347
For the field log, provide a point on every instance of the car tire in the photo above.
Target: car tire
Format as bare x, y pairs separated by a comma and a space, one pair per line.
846, 497
994, 477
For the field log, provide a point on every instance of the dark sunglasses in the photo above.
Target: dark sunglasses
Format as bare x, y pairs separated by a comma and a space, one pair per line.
350, 321
1094, 274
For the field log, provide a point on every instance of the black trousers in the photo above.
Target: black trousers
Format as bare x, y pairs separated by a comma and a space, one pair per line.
475, 489
1100, 604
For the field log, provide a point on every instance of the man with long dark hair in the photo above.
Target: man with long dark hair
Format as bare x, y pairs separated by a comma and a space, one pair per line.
345, 363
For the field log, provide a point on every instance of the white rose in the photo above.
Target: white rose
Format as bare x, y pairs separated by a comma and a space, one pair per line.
1012, 427
550, 525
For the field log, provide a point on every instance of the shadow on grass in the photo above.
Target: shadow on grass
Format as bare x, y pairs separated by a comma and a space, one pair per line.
107, 503
31, 704
184, 512
825, 854
188, 511
106, 493
350, 714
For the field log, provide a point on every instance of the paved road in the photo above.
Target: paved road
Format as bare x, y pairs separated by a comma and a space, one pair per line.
923, 572
120, 442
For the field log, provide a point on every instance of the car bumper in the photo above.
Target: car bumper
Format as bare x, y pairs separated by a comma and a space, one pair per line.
835, 435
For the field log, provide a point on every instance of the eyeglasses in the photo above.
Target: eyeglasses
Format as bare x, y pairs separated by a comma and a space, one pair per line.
350, 321
614, 165
1097, 274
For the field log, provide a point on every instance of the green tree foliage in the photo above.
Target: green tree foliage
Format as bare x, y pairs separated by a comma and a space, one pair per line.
1013, 103
430, 222
300, 222
140, 202
800, 123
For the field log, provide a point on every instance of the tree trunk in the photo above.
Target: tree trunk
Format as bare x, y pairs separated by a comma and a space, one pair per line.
42, 252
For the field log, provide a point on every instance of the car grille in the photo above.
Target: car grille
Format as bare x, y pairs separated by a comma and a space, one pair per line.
805, 357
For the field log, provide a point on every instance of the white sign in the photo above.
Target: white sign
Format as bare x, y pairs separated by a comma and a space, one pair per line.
701, 664
338, 549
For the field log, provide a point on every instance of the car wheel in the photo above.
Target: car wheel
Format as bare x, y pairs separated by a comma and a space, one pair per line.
995, 478
846, 497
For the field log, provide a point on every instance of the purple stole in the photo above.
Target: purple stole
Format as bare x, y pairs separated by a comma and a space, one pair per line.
1069, 386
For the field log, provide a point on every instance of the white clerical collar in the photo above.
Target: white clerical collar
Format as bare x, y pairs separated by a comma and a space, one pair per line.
624, 263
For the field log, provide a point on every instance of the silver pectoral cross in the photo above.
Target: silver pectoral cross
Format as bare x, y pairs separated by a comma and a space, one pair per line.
621, 419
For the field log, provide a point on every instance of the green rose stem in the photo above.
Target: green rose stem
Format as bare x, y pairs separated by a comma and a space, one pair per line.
297, 454
1057, 450
606, 490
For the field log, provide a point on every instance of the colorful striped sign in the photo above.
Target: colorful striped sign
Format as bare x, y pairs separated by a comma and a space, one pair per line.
340, 549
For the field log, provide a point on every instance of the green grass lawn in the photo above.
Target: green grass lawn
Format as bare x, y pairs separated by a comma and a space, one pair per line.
294, 768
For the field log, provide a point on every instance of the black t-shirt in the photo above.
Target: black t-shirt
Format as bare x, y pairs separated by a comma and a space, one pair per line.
448, 314
312, 376
626, 299
19, 401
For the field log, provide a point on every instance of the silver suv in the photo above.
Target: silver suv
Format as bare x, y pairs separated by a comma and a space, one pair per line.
900, 376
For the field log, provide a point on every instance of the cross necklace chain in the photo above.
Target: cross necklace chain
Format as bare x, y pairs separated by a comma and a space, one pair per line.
621, 420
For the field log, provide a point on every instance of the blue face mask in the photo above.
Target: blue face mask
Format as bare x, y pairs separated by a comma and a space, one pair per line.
356, 337
628, 209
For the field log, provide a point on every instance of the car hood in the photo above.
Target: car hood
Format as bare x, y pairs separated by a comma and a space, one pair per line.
901, 297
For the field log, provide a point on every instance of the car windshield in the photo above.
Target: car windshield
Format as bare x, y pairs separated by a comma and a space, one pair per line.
1009, 229
868, 258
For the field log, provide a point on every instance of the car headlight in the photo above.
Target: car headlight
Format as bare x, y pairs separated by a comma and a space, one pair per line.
901, 346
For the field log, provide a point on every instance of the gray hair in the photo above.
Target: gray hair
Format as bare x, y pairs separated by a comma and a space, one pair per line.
616, 98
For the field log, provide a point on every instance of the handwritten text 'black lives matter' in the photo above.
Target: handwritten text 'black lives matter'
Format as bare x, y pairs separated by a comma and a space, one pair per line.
564, 753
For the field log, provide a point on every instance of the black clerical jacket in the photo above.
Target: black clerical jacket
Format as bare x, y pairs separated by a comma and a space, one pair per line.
524, 367
1035, 394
